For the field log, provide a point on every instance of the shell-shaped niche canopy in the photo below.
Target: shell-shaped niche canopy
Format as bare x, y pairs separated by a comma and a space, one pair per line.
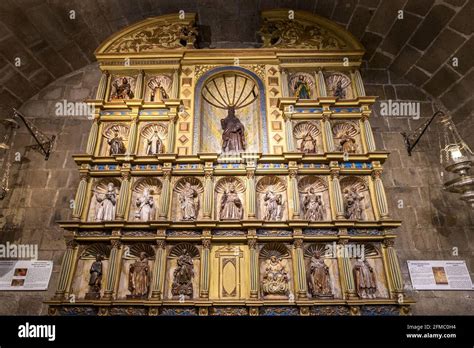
152, 184
230, 90
303, 129
345, 128
312, 249
193, 181
102, 185
304, 77
274, 249
225, 183
150, 129
137, 248
270, 183
336, 77
308, 182
356, 183
120, 129
370, 250
91, 251
157, 81
182, 248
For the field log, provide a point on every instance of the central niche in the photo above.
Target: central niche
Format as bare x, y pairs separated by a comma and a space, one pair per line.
230, 114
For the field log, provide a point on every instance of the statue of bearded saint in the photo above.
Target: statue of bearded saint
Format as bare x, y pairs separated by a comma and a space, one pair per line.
146, 206
273, 204
353, 204
231, 205
123, 90
364, 276
313, 206
189, 200
339, 91
319, 282
233, 136
139, 277
116, 145
154, 144
308, 144
276, 277
348, 143
106, 204
183, 276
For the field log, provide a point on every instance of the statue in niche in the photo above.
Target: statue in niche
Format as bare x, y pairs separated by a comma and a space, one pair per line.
116, 144
308, 144
154, 144
364, 276
319, 277
348, 143
354, 208
233, 136
139, 277
146, 206
95, 279
157, 88
339, 91
302, 90
183, 276
189, 200
122, 90
231, 205
276, 277
106, 204
273, 206
313, 206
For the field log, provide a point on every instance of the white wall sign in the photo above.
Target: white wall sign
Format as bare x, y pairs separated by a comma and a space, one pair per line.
439, 275
25, 275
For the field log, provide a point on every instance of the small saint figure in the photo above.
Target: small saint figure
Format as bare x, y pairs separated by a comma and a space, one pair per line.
122, 90
189, 200
106, 204
183, 276
364, 276
276, 277
353, 206
139, 277
313, 206
272, 206
154, 144
348, 143
339, 91
231, 205
308, 144
233, 136
146, 206
302, 90
158, 89
319, 283
116, 144
95, 279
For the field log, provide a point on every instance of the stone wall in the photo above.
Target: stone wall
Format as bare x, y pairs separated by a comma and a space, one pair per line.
433, 221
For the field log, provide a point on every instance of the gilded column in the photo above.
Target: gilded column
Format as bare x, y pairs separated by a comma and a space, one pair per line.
321, 84
81, 193
327, 136
165, 194
300, 267
380, 196
251, 193
67, 269
114, 259
139, 85
391, 259
208, 191
102, 88
175, 86
345, 267
359, 84
293, 190
368, 134
122, 203
158, 273
206, 246
93, 135
284, 83
132, 138
173, 116
290, 144
253, 267
337, 195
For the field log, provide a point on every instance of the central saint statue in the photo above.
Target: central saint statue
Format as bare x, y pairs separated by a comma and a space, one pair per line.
233, 136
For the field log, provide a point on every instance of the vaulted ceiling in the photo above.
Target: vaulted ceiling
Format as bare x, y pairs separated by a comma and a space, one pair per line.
419, 47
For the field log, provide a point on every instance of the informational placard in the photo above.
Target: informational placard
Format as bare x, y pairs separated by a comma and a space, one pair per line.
25, 275
439, 275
